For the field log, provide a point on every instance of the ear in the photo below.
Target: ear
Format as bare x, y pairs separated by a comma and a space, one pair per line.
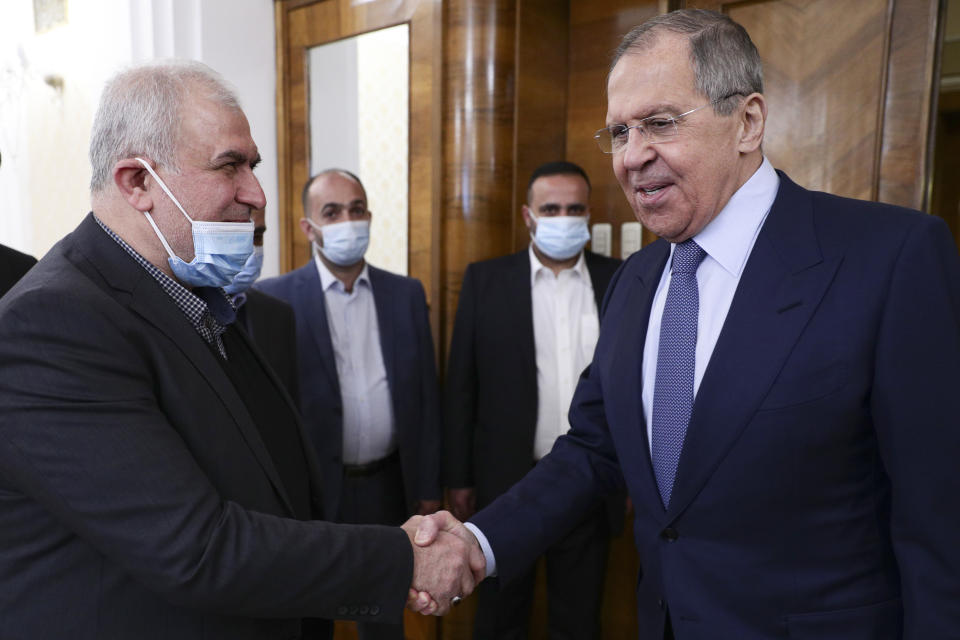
754, 119
310, 232
130, 176
527, 219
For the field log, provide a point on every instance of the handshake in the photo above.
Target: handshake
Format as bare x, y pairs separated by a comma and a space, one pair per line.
447, 562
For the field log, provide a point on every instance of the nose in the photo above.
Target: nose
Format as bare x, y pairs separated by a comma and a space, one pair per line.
638, 151
250, 192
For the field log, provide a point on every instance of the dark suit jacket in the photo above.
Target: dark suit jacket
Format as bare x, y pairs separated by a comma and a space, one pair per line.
408, 357
491, 391
273, 326
139, 500
815, 494
13, 265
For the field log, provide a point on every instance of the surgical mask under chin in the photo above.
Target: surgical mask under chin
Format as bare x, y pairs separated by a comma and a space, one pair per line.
220, 249
344, 243
560, 237
248, 275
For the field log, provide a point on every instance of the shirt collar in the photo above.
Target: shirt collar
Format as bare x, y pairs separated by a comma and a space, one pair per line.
580, 267
328, 280
730, 236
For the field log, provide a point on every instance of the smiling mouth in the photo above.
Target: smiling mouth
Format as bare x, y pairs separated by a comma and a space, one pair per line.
650, 190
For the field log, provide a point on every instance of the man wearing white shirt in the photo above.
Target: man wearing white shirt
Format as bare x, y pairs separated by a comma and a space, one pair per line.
775, 380
368, 384
525, 329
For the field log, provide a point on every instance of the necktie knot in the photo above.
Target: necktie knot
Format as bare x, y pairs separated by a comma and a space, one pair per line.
687, 256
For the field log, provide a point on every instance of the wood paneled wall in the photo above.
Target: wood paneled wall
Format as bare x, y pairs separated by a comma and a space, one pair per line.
850, 88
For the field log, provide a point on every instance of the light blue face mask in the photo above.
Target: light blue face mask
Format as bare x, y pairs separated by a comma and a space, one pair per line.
344, 243
220, 249
560, 237
248, 275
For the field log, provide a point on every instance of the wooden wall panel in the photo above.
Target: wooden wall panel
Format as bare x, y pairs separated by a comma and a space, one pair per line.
824, 69
541, 104
596, 29
906, 150
850, 90
479, 53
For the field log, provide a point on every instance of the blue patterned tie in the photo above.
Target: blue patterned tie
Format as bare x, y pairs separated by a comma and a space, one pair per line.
673, 391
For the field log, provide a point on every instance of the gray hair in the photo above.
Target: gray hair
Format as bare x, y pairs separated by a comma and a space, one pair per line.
725, 61
140, 113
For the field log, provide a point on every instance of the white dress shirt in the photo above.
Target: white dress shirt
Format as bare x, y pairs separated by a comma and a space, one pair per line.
727, 240
565, 329
368, 424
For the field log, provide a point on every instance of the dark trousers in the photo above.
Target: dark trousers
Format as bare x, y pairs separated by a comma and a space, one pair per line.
375, 498
576, 566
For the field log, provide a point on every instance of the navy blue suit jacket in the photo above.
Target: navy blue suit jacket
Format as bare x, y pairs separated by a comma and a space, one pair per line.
408, 357
816, 492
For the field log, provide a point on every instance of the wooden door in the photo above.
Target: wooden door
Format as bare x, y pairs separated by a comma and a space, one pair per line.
303, 24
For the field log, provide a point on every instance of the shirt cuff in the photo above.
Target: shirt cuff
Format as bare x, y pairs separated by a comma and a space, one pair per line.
485, 547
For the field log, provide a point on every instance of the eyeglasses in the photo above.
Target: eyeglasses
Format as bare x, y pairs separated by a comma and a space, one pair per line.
655, 129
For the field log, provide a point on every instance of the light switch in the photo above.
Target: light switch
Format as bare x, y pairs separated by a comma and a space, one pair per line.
631, 239
601, 239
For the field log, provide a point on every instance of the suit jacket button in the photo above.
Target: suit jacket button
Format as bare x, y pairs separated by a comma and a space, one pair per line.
660, 603
669, 534
374, 610
342, 610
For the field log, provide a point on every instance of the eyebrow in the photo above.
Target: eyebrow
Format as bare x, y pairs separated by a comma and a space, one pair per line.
662, 108
237, 156
557, 205
349, 204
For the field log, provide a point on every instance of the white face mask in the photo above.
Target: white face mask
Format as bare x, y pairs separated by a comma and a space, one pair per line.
220, 249
560, 237
344, 243
249, 274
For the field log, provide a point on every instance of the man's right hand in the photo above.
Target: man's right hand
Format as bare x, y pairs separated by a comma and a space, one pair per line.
448, 562
463, 502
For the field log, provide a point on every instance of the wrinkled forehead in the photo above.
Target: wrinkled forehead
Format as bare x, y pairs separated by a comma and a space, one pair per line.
212, 129
645, 81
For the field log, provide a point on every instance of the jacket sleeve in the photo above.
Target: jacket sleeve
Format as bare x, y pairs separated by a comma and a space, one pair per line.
85, 437
916, 407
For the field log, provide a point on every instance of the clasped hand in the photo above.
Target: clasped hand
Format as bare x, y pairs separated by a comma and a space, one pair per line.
447, 562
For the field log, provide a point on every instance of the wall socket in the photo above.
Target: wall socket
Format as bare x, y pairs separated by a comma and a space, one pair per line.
631, 239
601, 239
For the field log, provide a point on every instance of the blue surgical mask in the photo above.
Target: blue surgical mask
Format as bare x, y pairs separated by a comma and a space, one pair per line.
248, 275
560, 237
344, 243
220, 249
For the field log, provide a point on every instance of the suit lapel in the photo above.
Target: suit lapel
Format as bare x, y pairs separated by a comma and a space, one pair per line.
784, 280
623, 374
143, 295
598, 280
518, 303
384, 301
310, 297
